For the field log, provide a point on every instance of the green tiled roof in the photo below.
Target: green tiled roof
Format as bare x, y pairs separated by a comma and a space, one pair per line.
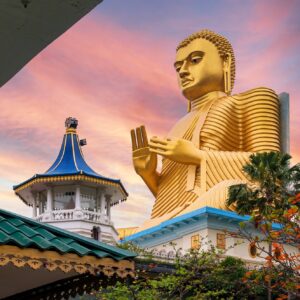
24, 232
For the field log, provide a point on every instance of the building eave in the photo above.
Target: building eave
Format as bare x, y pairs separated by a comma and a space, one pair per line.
80, 176
36, 254
17, 220
200, 218
25, 30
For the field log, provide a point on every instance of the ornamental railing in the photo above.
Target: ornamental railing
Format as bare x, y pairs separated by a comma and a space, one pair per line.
94, 217
63, 214
73, 215
39, 218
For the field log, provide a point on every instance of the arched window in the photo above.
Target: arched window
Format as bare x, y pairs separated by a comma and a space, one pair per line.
221, 241
195, 242
95, 233
163, 253
179, 253
171, 254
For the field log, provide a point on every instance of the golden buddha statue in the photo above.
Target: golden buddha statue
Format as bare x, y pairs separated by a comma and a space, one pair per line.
205, 151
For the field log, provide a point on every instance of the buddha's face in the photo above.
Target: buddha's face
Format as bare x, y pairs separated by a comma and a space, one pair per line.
199, 69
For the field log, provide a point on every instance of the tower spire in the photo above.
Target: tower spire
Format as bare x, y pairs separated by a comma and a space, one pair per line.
69, 178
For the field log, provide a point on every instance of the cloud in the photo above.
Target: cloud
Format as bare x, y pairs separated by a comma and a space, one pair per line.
113, 79
108, 89
8, 201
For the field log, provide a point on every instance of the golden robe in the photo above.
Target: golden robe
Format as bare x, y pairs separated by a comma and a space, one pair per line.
229, 129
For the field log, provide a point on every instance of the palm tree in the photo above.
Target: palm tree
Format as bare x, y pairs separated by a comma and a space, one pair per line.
271, 183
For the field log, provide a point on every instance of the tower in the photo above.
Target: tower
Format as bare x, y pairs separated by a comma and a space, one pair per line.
71, 195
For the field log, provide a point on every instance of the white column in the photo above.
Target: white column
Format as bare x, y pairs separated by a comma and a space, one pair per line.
34, 205
102, 203
77, 198
98, 194
49, 199
108, 201
40, 204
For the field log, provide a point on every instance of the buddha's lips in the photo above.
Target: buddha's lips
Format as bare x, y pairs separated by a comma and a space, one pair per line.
185, 82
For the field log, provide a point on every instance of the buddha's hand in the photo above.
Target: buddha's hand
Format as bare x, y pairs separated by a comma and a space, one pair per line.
179, 150
144, 161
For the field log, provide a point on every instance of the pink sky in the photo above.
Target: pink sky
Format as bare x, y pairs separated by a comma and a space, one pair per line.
113, 71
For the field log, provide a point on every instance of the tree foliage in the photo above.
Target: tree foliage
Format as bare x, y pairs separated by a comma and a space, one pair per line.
197, 275
272, 182
272, 199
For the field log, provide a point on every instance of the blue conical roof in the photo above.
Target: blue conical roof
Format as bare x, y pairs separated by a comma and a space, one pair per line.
70, 159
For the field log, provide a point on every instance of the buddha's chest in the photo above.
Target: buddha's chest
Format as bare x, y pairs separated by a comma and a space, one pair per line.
183, 126
219, 123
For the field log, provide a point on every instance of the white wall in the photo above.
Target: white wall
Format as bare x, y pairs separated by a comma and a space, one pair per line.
234, 246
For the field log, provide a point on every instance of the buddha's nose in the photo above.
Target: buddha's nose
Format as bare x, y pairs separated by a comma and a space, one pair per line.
183, 70
183, 74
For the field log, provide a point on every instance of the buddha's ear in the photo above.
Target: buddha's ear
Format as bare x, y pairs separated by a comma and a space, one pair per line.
227, 73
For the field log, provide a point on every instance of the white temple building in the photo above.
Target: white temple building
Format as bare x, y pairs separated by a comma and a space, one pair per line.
71, 195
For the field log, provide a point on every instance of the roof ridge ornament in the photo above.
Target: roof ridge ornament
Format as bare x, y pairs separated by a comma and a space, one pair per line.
82, 142
71, 125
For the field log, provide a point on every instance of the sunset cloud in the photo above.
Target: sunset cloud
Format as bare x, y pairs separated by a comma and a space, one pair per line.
115, 73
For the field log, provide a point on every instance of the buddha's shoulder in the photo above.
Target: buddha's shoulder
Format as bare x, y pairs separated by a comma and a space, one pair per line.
260, 94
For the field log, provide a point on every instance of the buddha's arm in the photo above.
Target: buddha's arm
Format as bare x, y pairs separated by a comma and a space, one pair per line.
216, 166
179, 150
145, 165
261, 125
151, 180
258, 112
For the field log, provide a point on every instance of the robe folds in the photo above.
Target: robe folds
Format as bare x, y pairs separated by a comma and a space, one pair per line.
228, 129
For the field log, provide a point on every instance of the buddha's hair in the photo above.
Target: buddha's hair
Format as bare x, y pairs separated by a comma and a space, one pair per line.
222, 44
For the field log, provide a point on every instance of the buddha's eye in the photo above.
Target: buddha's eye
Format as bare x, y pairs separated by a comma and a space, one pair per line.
196, 59
177, 67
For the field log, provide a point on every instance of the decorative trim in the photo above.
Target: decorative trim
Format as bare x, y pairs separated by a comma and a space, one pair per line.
79, 177
70, 130
64, 288
53, 260
73, 151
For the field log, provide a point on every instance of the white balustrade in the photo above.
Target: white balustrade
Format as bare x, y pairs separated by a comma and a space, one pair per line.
94, 217
39, 218
62, 214
72, 214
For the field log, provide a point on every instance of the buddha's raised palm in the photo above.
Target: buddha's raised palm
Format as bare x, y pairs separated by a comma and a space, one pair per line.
144, 161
